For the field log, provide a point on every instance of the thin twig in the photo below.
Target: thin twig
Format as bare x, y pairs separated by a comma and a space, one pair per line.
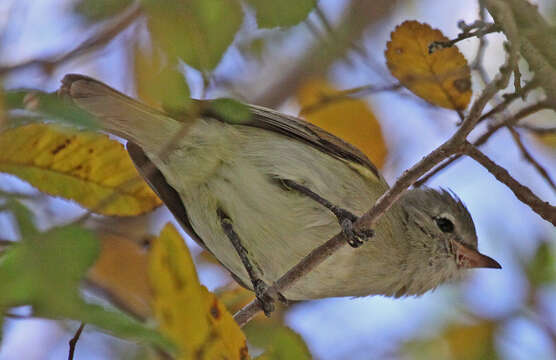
324, 20
509, 98
480, 32
511, 121
477, 63
523, 193
101, 38
534, 37
16, 316
529, 158
537, 130
17, 195
504, 18
326, 99
4, 242
73, 341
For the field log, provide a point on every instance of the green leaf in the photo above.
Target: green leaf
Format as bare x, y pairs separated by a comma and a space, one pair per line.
45, 271
160, 84
23, 217
97, 10
197, 31
542, 268
279, 342
51, 106
230, 110
283, 13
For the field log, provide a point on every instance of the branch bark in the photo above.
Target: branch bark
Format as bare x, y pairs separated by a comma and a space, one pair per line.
508, 122
532, 35
523, 193
530, 159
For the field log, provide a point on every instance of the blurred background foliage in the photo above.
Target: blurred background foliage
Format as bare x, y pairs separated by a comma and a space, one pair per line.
289, 55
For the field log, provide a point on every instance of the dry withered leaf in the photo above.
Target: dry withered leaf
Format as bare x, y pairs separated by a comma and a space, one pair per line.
442, 77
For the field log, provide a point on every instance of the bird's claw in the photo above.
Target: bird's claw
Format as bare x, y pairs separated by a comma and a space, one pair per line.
267, 303
355, 238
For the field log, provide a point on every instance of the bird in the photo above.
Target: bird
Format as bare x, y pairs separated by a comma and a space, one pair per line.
260, 193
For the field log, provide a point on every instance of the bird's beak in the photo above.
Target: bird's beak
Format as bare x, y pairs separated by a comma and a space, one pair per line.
469, 258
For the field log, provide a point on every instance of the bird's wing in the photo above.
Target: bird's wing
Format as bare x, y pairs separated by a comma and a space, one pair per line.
306, 132
169, 196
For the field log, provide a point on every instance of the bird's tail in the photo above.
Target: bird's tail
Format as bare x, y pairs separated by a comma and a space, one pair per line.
118, 113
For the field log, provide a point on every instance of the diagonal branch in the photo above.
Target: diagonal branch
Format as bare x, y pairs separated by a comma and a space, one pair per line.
105, 35
508, 122
529, 158
523, 193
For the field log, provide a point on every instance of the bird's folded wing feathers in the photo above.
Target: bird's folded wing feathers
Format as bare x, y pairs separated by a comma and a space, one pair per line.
104, 101
313, 135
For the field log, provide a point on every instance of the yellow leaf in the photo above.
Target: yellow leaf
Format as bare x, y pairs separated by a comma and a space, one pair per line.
278, 341
121, 270
548, 140
186, 311
457, 342
349, 119
87, 167
442, 78
236, 297
3, 119
472, 341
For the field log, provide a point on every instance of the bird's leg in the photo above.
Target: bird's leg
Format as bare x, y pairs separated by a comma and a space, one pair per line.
258, 285
355, 238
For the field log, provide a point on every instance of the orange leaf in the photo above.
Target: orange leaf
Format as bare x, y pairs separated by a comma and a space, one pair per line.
349, 119
122, 272
442, 78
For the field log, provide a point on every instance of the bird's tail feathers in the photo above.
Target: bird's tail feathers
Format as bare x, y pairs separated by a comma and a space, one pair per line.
116, 112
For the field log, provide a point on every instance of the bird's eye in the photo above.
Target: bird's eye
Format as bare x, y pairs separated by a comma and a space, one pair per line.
445, 225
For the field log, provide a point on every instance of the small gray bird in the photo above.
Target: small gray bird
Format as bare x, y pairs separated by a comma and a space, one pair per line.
260, 194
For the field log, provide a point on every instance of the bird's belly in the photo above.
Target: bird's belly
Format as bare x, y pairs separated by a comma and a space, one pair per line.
278, 227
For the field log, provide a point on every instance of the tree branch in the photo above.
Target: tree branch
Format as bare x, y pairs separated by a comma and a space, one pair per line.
523, 193
529, 158
534, 37
481, 29
73, 341
105, 35
508, 122
326, 99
